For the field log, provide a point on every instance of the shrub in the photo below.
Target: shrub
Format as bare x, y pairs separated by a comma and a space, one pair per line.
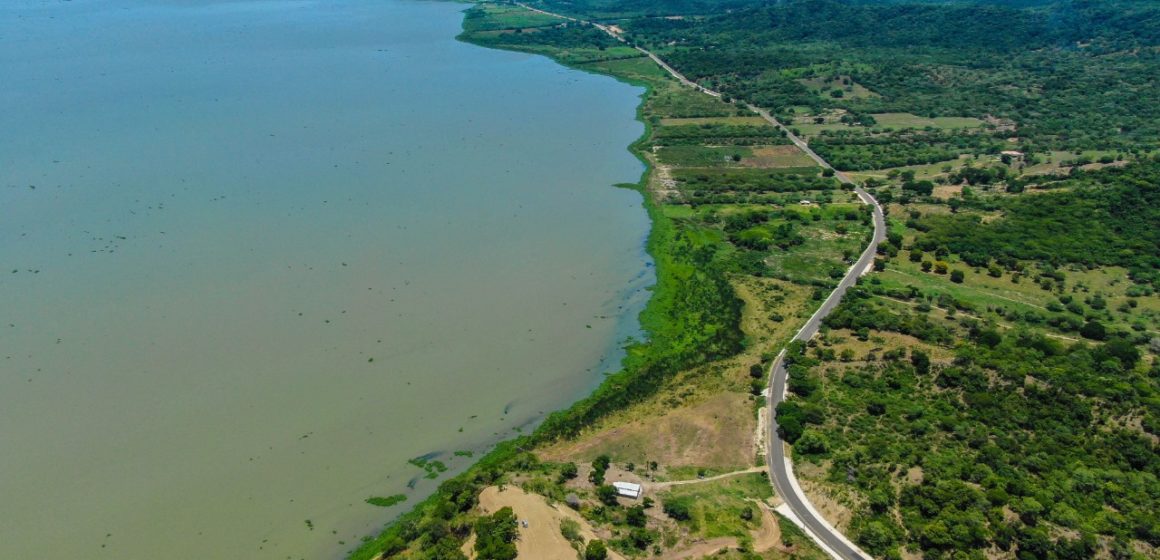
678, 508
568, 472
595, 551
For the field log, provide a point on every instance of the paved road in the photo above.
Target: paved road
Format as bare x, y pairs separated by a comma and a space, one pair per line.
780, 466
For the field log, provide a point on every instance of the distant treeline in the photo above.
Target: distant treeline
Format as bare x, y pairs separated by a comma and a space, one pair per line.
1035, 67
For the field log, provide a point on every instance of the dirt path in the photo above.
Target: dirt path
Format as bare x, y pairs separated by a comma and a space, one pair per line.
985, 292
655, 486
999, 323
769, 535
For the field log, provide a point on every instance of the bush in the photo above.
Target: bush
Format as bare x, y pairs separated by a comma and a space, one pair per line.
756, 371
812, 443
1093, 330
568, 472
570, 529
635, 516
678, 508
607, 495
595, 551
921, 361
957, 276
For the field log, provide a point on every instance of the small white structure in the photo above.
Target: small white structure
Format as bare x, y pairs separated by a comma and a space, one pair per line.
627, 489
804, 203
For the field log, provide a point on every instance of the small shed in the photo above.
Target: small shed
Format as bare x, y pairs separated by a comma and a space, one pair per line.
627, 489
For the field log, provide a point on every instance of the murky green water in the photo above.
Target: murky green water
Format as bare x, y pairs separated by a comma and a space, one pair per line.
257, 254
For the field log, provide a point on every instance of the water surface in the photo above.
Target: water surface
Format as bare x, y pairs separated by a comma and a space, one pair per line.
257, 254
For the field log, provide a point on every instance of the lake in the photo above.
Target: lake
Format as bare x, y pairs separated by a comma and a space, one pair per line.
256, 255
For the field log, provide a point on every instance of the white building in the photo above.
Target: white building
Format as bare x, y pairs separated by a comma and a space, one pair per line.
627, 489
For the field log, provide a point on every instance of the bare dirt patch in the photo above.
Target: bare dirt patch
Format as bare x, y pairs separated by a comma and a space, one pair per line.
769, 535
881, 342
947, 191
769, 157
714, 433
704, 548
914, 476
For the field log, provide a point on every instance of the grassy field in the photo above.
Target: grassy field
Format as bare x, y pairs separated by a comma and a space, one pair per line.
718, 508
704, 156
907, 120
498, 16
767, 157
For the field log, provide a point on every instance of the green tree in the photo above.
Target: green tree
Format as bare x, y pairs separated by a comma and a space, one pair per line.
595, 550
635, 516
1123, 350
812, 443
568, 472
678, 508
607, 495
495, 535
921, 361
1093, 330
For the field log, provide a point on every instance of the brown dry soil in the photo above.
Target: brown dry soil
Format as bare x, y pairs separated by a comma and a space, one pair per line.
715, 434
541, 539
777, 156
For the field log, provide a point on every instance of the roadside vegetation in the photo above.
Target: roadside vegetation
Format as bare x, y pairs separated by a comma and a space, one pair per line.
992, 390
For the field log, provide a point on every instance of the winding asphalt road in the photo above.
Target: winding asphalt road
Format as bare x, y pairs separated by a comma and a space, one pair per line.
780, 465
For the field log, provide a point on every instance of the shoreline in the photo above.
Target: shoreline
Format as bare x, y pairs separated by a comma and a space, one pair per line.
504, 447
